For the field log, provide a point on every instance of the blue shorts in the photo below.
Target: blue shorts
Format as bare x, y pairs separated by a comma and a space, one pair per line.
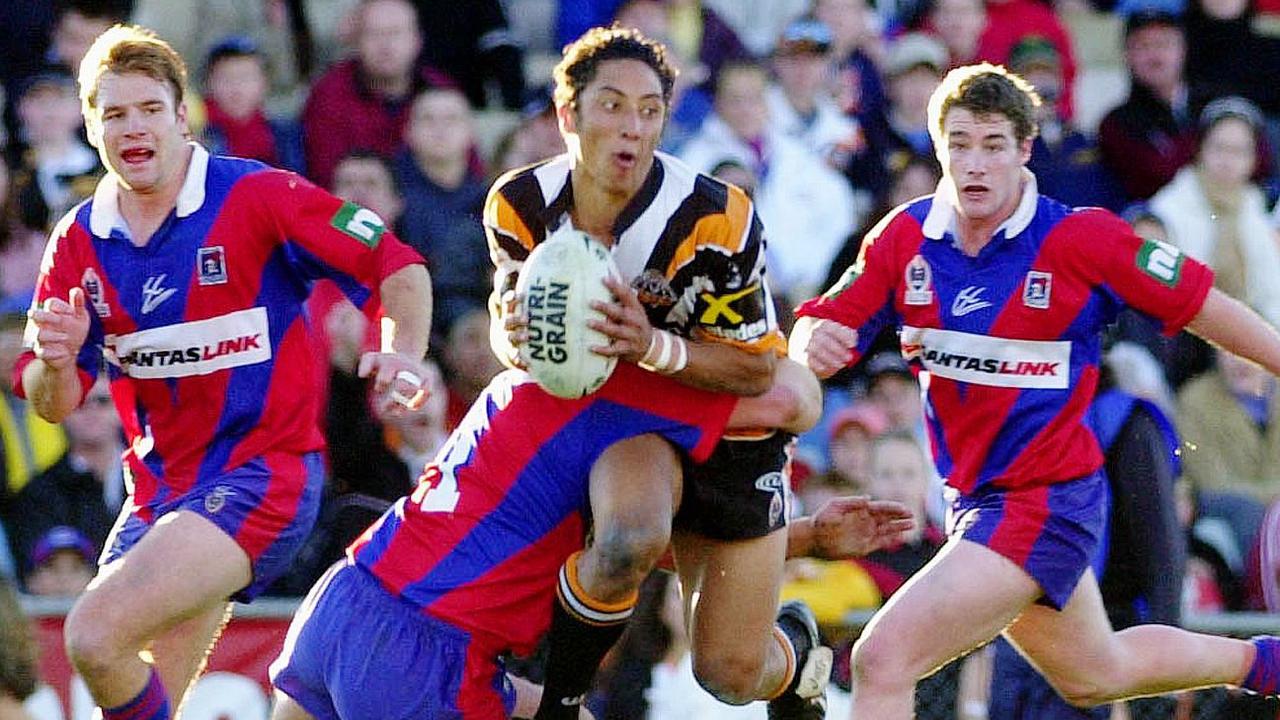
268, 506
1051, 531
356, 652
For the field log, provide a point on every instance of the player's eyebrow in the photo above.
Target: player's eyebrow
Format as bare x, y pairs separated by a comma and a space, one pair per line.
617, 91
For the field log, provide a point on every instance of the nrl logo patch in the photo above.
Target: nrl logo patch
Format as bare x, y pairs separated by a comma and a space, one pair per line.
919, 281
94, 291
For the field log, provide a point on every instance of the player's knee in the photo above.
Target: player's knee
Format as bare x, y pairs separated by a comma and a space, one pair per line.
631, 550
92, 644
877, 661
732, 677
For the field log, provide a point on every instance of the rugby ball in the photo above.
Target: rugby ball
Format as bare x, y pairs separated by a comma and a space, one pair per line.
558, 282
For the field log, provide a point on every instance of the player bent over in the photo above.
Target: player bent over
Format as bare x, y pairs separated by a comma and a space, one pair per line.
1000, 294
183, 279
412, 624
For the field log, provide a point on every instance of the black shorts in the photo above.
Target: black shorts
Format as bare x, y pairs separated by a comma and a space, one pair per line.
740, 492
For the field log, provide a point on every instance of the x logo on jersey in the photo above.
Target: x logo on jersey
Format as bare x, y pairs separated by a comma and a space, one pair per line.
717, 306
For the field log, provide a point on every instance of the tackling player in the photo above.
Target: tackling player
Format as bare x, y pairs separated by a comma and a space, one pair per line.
695, 307
413, 623
183, 278
1000, 294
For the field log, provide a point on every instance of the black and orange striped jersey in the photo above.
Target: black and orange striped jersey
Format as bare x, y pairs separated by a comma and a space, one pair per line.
690, 245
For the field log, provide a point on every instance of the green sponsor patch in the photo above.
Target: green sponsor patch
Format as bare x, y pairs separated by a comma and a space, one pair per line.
1161, 261
360, 223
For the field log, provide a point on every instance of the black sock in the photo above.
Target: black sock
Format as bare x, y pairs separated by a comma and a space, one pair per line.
582, 632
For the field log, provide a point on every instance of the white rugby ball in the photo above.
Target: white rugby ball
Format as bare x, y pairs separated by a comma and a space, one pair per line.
558, 282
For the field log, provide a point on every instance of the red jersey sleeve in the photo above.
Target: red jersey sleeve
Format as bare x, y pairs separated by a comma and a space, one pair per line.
705, 412
1150, 276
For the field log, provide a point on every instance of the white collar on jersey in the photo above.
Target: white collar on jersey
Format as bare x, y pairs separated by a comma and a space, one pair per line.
942, 213
104, 216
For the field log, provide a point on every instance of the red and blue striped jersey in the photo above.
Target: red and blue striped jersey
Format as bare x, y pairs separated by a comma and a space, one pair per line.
480, 540
201, 330
1011, 338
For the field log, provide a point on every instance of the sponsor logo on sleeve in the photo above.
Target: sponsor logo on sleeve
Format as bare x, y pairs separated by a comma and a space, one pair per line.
360, 223
199, 347
1161, 261
986, 360
919, 281
722, 306
1036, 289
211, 265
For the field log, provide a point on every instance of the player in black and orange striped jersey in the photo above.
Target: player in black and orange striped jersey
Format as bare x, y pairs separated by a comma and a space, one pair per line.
694, 304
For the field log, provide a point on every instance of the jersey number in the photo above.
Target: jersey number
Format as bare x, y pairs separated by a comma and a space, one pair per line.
437, 489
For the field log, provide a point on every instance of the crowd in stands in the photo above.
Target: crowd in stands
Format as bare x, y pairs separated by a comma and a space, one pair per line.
817, 108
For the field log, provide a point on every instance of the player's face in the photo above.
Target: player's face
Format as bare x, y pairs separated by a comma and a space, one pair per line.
140, 134
984, 160
614, 129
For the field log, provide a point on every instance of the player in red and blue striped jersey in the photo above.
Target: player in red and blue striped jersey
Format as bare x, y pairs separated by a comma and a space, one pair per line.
1001, 294
183, 278
465, 568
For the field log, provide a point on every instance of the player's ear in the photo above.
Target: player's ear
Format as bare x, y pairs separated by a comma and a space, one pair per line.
181, 112
567, 119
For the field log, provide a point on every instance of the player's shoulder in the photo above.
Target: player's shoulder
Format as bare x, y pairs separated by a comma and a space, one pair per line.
530, 184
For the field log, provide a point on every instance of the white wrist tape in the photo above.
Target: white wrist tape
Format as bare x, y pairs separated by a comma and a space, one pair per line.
667, 354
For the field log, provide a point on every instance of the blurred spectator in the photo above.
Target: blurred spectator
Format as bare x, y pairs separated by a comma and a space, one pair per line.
278, 29
1219, 34
806, 207
959, 24
698, 32
853, 430
1065, 161
1230, 420
85, 489
368, 180
77, 23
893, 388
857, 52
472, 42
28, 444
469, 362
1009, 21
63, 562
1211, 584
913, 69
57, 166
24, 45
24, 225
237, 122
19, 654
363, 103
800, 102
537, 136
1215, 214
574, 17
1152, 134
443, 200
735, 173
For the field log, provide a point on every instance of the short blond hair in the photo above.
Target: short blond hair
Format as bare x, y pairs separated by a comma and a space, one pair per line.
985, 89
125, 49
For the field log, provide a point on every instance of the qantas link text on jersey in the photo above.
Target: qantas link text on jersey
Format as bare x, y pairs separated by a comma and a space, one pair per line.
193, 348
985, 360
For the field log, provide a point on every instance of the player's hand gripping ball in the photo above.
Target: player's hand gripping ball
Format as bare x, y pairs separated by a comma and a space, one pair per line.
558, 283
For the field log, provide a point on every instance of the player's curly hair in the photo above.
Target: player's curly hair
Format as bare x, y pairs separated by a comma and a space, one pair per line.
583, 56
985, 89
18, 649
130, 49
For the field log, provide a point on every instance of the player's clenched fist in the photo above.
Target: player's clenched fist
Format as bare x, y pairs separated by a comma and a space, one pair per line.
824, 345
61, 328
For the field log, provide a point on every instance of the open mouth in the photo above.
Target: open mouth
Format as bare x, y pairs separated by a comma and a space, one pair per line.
625, 159
134, 156
975, 192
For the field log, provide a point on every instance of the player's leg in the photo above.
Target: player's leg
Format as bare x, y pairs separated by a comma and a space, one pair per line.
1088, 663
737, 654
183, 567
635, 489
181, 653
960, 600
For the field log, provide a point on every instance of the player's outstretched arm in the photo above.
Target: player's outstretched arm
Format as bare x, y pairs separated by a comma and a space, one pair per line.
825, 346
848, 526
793, 403
1230, 324
51, 382
718, 367
397, 367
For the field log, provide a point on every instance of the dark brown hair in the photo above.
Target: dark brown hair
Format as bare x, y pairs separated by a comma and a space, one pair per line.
583, 56
985, 89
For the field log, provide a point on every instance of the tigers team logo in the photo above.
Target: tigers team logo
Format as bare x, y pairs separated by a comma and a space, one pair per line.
653, 289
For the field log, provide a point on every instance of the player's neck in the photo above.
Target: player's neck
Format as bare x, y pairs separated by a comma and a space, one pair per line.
595, 209
145, 212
